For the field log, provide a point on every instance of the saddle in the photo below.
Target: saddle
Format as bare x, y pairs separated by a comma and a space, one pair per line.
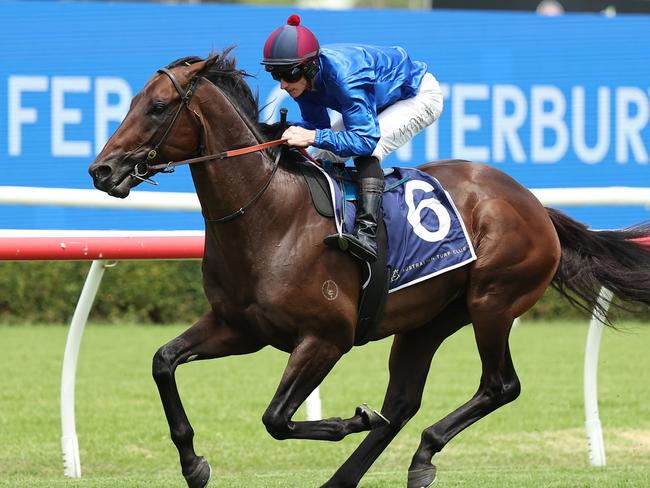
374, 292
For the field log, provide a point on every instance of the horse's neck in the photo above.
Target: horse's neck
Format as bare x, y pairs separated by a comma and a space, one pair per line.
225, 186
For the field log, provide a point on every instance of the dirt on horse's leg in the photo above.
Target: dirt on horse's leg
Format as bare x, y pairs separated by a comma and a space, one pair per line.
309, 363
410, 359
208, 338
499, 385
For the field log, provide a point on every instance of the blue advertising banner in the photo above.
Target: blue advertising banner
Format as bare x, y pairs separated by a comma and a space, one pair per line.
554, 102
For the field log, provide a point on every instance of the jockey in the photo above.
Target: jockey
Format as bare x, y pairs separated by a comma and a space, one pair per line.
384, 97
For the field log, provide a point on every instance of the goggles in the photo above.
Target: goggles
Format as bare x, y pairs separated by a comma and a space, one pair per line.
289, 74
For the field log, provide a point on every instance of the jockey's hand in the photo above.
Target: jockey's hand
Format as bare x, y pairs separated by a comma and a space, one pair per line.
299, 137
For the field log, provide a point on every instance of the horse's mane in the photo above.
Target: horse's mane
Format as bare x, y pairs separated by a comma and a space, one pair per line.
221, 70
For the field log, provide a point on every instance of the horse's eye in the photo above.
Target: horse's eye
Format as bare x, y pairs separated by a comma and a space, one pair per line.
158, 107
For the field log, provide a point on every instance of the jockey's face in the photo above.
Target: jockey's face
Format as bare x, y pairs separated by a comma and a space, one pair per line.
295, 89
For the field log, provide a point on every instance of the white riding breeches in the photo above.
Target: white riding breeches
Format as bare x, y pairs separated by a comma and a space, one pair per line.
400, 122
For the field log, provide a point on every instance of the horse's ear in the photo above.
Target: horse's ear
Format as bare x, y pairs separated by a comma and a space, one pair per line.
211, 60
223, 60
204, 65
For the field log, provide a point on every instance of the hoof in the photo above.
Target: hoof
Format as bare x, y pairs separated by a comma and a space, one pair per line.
371, 418
200, 476
421, 476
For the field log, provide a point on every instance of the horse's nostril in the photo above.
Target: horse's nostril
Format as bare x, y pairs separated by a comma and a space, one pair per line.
102, 172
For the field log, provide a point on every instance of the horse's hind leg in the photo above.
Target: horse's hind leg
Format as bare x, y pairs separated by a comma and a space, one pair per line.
208, 338
499, 385
517, 254
410, 358
310, 361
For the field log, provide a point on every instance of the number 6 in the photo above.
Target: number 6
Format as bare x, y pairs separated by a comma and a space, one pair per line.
432, 203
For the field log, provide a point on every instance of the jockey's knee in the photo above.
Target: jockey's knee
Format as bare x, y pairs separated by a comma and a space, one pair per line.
368, 167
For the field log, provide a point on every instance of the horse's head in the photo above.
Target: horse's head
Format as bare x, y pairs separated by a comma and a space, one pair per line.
160, 126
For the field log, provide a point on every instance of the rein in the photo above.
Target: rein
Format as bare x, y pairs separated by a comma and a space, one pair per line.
165, 167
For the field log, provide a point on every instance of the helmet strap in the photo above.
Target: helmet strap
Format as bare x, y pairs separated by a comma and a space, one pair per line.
310, 69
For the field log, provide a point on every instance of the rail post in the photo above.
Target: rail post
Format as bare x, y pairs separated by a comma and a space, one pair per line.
596, 445
69, 440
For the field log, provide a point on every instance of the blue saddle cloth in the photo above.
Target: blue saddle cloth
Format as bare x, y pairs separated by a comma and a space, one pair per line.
426, 235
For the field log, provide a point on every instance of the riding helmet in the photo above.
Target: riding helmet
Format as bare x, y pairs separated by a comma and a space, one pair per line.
292, 46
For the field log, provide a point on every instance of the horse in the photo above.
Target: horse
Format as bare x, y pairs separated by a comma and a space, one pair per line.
265, 266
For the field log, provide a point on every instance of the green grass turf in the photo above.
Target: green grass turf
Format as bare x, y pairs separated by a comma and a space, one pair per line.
538, 441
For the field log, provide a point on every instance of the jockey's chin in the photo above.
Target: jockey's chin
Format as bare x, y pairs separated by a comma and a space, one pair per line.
295, 89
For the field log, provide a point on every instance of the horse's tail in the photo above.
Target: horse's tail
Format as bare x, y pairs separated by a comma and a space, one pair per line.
618, 260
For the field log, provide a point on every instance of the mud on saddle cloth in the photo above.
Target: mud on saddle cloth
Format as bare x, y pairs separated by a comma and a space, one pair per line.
421, 236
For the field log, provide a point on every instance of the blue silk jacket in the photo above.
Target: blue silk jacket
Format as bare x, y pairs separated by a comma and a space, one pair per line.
359, 82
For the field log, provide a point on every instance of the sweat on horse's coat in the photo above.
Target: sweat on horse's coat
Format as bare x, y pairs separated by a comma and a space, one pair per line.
263, 272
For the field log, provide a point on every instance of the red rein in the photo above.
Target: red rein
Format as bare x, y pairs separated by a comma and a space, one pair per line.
232, 153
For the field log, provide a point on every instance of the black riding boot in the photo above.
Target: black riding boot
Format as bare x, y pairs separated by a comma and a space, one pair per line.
362, 243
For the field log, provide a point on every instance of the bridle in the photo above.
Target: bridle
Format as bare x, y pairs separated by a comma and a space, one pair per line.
142, 169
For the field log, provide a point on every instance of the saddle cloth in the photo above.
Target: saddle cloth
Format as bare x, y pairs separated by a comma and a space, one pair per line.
426, 234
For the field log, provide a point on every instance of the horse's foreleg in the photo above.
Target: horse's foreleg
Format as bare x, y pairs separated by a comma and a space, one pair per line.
410, 359
309, 363
499, 385
208, 338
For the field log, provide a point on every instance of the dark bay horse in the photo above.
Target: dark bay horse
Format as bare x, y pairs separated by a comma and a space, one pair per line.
264, 270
